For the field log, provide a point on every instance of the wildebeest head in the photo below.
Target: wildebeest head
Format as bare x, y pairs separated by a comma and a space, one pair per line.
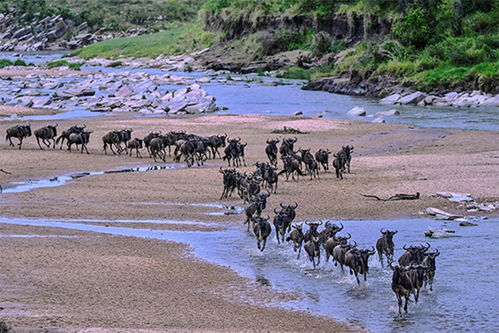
388, 235
364, 255
298, 227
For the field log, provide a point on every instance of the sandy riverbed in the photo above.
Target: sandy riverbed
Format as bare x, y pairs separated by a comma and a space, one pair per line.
157, 285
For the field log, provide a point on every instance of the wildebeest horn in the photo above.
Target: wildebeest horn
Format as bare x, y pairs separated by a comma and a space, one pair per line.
275, 211
221, 170
406, 248
282, 206
437, 253
238, 139
341, 226
84, 126
307, 223
426, 248
381, 230
355, 244
296, 205
373, 251
267, 141
395, 232
349, 236
319, 223
295, 138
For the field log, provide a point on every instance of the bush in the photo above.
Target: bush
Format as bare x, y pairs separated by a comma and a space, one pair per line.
463, 51
115, 64
321, 44
60, 63
414, 29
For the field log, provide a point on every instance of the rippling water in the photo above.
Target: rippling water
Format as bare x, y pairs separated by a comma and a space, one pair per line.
286, 99
463, 298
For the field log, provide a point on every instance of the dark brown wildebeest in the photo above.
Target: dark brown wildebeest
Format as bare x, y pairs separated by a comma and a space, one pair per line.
322, 157
66, 133
313, 249
262, 230
413, 254
46, 133
79, 139
135, 144
332, 242
429, 262
401, 285
385, 246
296, 236
330, 230
20, 132
312, 231
358, 262
271, 151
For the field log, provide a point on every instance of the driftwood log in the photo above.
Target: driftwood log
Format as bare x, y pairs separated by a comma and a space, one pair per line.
2, 170
399, 196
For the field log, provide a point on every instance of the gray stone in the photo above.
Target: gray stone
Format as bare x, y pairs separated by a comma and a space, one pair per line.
379, 120
390, 99
298, 113
450, 97
392, 112
20, 33
357, 111
413, 98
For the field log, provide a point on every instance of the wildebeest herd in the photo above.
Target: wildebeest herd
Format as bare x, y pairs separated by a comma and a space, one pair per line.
416, 266
191, 148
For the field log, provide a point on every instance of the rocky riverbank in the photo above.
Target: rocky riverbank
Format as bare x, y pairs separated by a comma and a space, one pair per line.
99, 92
52, 33
391, 91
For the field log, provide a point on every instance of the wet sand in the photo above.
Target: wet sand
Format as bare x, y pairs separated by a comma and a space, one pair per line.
156, 285
20, 111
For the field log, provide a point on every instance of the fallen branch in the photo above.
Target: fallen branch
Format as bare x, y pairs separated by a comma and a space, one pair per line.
399, 196
2, 170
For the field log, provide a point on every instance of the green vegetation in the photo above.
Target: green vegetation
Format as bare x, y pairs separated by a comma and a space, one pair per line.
18, 62
112, 15
60, 63
177, 40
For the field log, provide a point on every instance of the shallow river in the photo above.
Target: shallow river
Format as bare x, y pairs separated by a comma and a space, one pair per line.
463, 297
286, 99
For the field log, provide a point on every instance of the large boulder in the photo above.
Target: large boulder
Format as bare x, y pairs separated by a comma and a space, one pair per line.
357, 111
392, 99
413, 98
20, 33
392, 112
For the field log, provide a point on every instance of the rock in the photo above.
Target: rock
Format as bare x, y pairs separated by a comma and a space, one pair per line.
203, 79
456, 197
79, 91
124, 91
436, 212
20, 33
40, 102
450, 97
392, 112
481, 207
439, 233
491, 101
357, 111
467, 224
392, 99
413, 98
379, 120
298, 113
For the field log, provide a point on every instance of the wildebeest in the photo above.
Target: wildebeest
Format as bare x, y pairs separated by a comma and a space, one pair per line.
413, 254
254, 210
339, 165
156, 149
20, 132
229, 182
312, 231
234, 151
358, 262
215, 142
296, 236
346, 154
136, 144
262, 230
322, 157
417, 274
330, 230
291, 166
401, 285
66, 133
282, 221
46, 134
79, 139
332, 242
271, 150
111, 139
339, 252
313, 249
287, 146
429, 262
385, 246
147, 140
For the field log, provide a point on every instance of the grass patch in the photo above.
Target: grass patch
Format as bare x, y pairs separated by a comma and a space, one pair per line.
178, 40
59, 63
115, 64
18, 62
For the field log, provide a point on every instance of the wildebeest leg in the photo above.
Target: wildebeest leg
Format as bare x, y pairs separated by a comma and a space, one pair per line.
357, 278
399, 301
46, 142
406, 300
299, 251
38, 141
138, 153
20, 142
380, 255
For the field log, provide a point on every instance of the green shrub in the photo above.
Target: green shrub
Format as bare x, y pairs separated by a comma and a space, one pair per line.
60, 63
5, 63
463, 51
414, 29
115, 64
20, 62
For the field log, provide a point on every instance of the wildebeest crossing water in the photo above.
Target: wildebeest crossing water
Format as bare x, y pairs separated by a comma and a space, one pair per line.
462, 298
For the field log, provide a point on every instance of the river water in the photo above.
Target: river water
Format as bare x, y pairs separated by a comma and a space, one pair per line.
463, 298
242, 97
